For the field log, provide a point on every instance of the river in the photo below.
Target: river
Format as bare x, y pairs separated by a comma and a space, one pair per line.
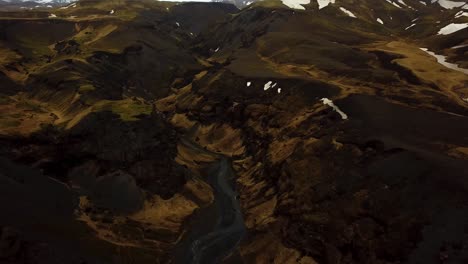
214, 232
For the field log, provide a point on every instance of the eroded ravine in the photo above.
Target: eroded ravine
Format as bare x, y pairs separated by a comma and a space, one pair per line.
215, 231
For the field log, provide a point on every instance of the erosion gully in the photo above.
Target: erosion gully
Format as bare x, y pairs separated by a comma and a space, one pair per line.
216, 230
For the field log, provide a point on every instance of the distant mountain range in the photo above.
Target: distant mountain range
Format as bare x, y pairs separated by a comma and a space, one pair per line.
448, 4
40, 1
21, 4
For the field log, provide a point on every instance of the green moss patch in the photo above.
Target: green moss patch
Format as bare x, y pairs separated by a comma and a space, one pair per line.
86, 88
127, 109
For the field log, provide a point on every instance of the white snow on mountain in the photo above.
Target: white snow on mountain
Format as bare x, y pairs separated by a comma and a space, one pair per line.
68, 6
402, 3
460, 14
346, 11
460, 46
412, 25
330, 103
452, 28
393, 3
448, 4
441, 59
46, 1
296, 4
324, 3
267, 85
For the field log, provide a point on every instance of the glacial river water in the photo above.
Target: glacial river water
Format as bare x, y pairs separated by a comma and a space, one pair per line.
215, 231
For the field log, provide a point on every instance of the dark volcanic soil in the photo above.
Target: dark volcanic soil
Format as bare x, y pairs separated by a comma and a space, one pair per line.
158, 132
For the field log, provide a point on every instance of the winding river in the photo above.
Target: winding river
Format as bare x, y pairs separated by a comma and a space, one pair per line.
216, 231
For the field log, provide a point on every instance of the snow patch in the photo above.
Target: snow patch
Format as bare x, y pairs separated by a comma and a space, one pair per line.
267, 85
330, 103
296, 4
441, 59
401, 2
412, 25
380, 21
249, 83
460, 46
324, 3
346, 11
447, 4
52, 16
452, 28
68, 6
391, 2
460, 14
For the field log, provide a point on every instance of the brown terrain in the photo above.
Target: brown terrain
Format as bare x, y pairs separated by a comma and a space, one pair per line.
158, 132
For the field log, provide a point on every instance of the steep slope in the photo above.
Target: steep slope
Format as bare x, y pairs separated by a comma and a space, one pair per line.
88, 75
365, 189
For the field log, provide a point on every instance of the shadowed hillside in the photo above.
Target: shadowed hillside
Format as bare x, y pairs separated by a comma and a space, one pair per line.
271, 132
